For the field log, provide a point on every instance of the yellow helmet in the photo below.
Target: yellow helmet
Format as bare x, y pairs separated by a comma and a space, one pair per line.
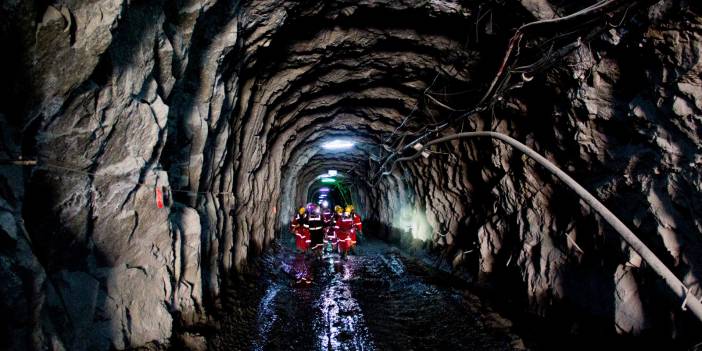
301, 210
349, 208
338, 209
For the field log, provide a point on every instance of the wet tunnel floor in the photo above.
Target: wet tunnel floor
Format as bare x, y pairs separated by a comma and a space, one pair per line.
374, 300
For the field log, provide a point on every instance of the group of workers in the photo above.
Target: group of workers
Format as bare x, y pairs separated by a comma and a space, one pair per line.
316, 228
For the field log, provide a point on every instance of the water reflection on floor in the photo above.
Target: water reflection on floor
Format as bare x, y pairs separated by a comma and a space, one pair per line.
266, 316
375, 300
342, 326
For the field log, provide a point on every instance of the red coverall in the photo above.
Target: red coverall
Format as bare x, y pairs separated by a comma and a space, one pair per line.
357, 226
345, 232
302, 232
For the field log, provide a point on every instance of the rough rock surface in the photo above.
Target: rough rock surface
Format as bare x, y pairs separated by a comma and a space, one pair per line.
223, 104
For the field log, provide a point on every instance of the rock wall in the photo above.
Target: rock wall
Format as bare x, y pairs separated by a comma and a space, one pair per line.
620, 114
222, 105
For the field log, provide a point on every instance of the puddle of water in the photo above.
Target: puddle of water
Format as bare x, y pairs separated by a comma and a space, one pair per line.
346, 300
266, 316
341, 326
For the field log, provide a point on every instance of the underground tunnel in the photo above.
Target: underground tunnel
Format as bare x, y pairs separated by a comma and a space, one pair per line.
527, 174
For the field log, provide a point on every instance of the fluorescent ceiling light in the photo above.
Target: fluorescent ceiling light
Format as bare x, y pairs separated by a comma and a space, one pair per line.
338, 144
324, 190
330, 174
328, 180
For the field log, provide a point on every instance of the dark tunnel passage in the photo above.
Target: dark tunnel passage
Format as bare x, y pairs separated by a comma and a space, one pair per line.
153, 155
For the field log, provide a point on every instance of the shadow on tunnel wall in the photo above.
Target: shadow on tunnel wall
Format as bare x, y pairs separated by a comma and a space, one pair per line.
590, 280
112, 264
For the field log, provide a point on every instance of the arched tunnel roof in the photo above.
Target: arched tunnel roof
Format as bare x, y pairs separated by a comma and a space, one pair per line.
364, 71
171, 142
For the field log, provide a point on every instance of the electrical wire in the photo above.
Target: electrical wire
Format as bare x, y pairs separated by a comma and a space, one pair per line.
420, 139
689, 300
414, 109
517, 37
503, 75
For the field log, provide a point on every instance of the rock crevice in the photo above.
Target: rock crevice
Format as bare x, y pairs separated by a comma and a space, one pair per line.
222, 106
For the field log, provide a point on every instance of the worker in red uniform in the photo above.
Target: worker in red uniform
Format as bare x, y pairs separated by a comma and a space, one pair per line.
328, 219
357, 225
345, 232
316, 228
338, 211
301, 229
335, 227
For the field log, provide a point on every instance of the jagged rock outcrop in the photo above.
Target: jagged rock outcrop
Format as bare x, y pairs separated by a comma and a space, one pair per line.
223, 105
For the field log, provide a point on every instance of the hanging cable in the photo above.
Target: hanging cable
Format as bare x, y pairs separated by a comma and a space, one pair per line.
421, 138
503, 75
690, 301
414, 109
518, 35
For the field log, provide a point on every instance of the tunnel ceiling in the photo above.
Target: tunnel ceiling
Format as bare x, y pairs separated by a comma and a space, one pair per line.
174, 139
355, 71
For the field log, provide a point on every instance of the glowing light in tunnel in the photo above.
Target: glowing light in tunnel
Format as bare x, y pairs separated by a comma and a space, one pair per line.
338, 144
329, 174
325, 203
323, 190
328, 180
412, 221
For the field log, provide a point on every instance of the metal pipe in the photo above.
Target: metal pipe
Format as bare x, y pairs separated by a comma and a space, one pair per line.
689, 299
